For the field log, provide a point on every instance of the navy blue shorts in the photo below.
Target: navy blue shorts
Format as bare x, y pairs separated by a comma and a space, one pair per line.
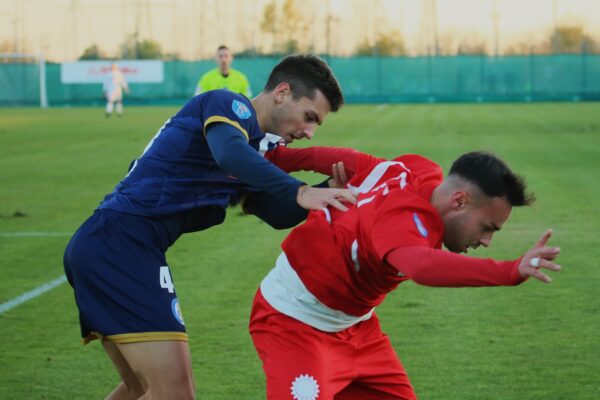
116, 264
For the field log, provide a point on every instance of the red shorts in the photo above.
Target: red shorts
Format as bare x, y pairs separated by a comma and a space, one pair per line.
304, 363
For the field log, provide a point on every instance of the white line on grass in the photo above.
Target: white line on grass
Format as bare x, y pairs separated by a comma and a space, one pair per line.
17, 301
34, 234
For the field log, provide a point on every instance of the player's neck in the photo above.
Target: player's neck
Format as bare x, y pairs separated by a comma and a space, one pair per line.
262, 107
437, 199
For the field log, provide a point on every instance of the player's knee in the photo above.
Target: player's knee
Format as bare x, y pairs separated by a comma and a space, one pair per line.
186, 387
129, 390
174, 386
186, 393
170, 393
130, 387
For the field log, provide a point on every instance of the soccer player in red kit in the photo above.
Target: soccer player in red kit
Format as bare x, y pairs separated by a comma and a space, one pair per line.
313, 321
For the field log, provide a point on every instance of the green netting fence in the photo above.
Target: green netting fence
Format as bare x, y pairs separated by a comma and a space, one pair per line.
363, 79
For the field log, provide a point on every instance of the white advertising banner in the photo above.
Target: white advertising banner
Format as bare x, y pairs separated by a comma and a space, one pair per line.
135, 71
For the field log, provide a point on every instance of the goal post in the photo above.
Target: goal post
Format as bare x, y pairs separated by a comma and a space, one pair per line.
15, 71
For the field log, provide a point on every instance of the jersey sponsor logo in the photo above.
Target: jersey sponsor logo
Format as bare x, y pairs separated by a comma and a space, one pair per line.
240, 109
305, 387
420, 227
176, 310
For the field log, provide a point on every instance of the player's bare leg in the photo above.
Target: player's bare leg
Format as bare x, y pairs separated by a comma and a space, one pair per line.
109, 108
130, 387
164, 368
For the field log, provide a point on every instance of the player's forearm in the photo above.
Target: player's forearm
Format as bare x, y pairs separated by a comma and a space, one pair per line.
233, 154
278, 213
433, 267
318, 159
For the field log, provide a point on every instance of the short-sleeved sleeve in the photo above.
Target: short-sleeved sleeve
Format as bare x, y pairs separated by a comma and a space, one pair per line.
230, 108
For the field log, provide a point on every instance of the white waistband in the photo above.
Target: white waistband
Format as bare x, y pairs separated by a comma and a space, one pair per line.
284, 291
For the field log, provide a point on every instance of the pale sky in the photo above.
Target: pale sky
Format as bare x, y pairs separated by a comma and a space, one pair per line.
194, 28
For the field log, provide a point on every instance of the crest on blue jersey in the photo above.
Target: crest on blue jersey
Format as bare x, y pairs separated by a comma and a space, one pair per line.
176, 310
420, 227
240, 109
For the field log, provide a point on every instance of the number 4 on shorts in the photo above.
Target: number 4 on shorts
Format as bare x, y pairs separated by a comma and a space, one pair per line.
165, 279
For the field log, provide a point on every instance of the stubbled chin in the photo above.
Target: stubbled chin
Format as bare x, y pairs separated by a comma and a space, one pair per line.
455, 250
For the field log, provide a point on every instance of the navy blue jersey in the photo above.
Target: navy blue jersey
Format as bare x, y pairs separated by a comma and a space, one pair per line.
177, 171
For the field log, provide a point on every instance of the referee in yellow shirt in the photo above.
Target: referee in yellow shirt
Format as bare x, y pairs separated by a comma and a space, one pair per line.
224, 77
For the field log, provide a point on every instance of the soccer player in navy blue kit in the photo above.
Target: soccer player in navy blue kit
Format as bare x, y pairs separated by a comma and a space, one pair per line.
198, 160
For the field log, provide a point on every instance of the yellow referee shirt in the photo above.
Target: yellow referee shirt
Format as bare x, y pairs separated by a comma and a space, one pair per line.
235, 81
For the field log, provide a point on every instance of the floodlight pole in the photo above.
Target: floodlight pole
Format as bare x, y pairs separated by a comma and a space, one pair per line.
495, 19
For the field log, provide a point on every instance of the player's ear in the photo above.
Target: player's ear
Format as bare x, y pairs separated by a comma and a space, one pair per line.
459, 199
281, 91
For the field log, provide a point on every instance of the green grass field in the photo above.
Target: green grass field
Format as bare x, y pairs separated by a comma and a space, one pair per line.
534, 341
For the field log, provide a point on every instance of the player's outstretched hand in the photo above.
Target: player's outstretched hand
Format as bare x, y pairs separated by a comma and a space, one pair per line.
540, 256
339, 176
312, 198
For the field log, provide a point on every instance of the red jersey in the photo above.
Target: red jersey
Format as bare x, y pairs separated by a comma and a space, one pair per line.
338, 266
340, 261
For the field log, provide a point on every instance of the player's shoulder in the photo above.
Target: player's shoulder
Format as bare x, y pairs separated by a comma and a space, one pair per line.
229, 99
236, 73
224, 94
223, 105
210, 73
418, 163
413, 212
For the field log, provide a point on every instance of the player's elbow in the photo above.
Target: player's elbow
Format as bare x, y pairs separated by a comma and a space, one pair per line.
279, 225
419, 279
225, 161
278, 221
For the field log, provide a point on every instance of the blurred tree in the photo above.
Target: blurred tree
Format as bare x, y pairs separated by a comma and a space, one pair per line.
171, 57
565, 39
7, 47
386, 44
570, 39
92, 53
269, 23
147, 49
471, 46
291, 26
460, 42
524, 47
448, 42
248, 52
295, 27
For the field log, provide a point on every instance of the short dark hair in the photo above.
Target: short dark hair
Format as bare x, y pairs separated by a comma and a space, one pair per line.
493, 177
222, 47
305, 74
